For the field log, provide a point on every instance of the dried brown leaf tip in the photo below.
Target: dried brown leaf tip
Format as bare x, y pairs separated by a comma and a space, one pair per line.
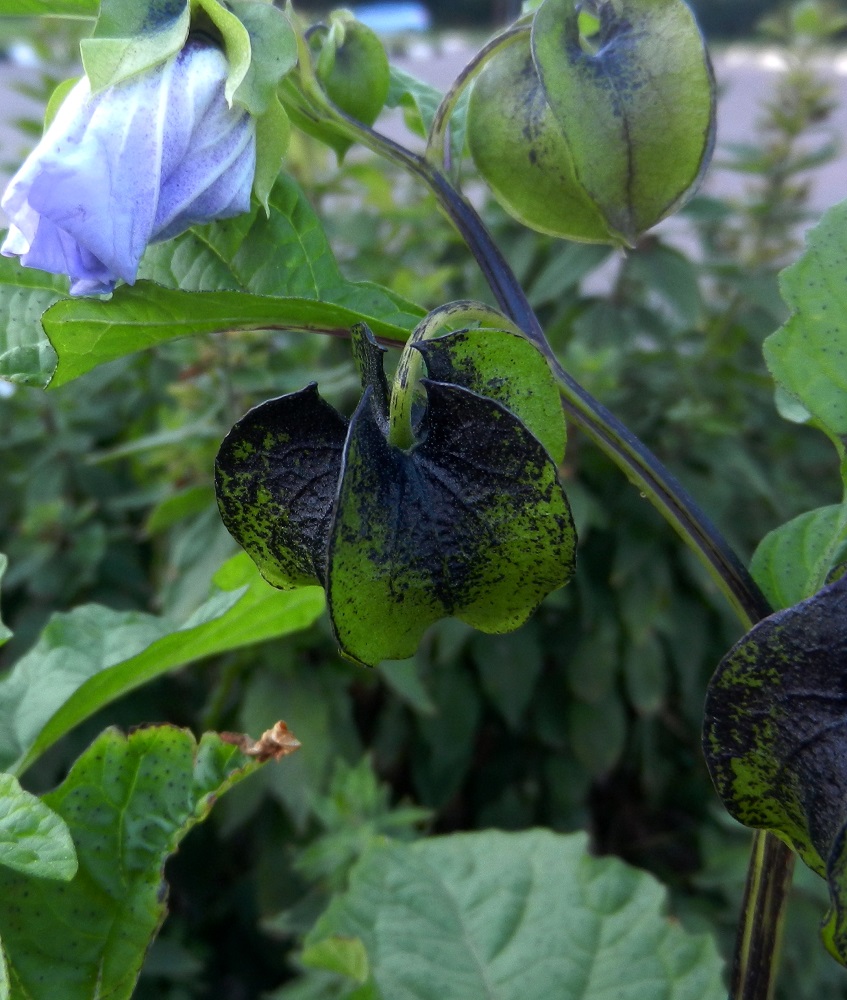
273, 744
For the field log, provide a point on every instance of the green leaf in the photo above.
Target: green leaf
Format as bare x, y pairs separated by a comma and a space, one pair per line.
273, 52
793, 561
506, 367
598, 734
237, 45
776, 737
808, 355
637, 114
87, 333
131, 36
26, 356
5, 632
419, 102
525, 916
646, 675
92, 655
128, 802
56, 8
34, 840
345, 956
509, 667
273, 133
284, 260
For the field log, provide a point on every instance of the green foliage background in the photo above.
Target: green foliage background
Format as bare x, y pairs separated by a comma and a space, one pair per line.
587, 718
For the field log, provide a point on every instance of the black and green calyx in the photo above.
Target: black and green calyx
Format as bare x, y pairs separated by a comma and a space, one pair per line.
776, 738
452, 508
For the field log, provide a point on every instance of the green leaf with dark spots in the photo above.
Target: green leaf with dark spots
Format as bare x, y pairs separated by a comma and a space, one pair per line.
128, 802
276, 476
34, 840
795, 560
503, 366
636, 107
776, 737
808, 355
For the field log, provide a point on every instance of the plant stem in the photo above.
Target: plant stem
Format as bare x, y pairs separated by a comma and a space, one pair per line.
437, 148
771, 864
758, 944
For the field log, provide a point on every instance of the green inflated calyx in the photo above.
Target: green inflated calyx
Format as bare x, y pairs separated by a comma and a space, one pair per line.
465, 518
600, 124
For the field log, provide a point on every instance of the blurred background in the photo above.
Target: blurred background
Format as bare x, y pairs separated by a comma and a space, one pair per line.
587, 718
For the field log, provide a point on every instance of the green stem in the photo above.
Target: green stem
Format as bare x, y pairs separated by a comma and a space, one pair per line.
758, 945
409, 368
437, 147
769, 875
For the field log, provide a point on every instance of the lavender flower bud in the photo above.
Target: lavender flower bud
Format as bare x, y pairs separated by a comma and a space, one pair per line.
134, 164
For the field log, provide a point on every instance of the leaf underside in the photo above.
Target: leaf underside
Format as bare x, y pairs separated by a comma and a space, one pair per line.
505, 916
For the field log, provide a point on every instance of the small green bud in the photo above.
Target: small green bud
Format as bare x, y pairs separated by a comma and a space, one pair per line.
352, 67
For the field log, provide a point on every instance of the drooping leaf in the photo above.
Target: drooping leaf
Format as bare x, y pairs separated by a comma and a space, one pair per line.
793, 561
273, 52
131, 36
92, 655
34, 840
637, 114
470, 523
276, 477
776, 737
283, 260
808, 355
506, 367
128, 802
525, 916
86, 333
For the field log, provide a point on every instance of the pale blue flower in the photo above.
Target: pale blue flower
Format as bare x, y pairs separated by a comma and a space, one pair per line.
137, 163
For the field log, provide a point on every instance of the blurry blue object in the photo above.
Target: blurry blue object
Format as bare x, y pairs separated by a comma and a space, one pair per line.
136, 163
394, 18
